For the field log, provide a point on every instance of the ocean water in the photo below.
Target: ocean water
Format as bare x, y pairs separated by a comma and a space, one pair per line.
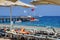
53, 21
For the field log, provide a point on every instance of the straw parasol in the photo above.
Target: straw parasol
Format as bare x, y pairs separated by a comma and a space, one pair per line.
10, 3
42, 2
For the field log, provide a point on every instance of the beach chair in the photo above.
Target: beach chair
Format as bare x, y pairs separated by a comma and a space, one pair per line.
2, 33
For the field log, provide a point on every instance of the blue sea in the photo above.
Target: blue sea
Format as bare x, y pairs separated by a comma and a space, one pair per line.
53, 21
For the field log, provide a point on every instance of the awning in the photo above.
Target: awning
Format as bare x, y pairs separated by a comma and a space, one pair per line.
15, 3
42, 2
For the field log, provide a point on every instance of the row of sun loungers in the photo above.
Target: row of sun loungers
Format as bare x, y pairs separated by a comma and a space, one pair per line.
37, 33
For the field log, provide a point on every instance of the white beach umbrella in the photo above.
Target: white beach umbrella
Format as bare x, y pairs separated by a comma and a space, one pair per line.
40, 2
10, 3
19, 3
6, 3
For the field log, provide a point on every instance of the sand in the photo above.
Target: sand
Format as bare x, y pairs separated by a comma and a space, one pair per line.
4, 39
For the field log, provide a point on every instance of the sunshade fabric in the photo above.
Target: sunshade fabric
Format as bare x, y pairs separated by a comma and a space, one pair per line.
2, 1
38, 2
14, 3
12, 0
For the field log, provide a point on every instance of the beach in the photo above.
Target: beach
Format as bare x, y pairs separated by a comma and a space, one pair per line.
4, 39
33, 28
38, 28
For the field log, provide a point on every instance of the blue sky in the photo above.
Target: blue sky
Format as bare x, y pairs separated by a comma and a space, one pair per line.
40, 10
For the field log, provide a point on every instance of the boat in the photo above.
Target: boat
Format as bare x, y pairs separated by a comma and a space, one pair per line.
33, 19
26, 19
18, 21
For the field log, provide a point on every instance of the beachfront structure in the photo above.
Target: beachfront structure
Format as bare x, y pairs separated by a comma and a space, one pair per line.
7, 19
44, 2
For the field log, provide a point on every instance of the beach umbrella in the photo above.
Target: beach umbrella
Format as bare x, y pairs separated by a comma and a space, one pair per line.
10, 3
42, 2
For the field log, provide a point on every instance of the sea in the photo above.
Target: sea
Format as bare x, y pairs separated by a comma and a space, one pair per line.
43, 21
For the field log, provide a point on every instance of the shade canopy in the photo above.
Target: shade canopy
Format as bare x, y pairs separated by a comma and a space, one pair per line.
14, 3
12, 0
42, 2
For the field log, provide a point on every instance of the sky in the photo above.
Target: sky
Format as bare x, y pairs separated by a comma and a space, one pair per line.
40, 10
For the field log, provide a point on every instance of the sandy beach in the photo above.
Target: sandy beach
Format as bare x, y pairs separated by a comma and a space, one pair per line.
4, 39
31, 27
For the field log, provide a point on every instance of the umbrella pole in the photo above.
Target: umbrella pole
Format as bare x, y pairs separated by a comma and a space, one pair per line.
11, 22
